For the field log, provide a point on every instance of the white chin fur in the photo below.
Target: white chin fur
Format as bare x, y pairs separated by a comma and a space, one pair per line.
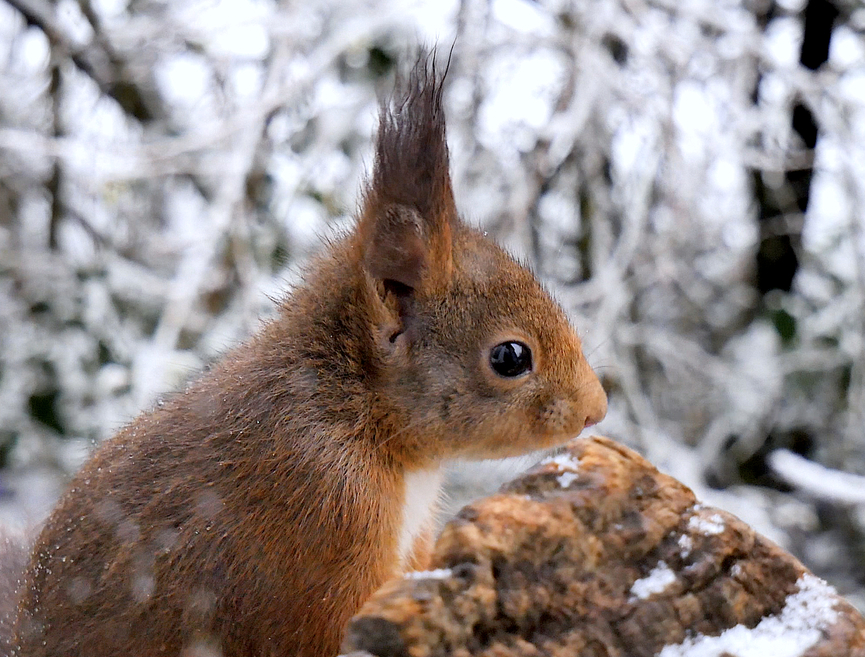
422, 493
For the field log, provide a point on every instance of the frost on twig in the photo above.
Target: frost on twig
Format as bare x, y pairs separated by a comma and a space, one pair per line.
818, 480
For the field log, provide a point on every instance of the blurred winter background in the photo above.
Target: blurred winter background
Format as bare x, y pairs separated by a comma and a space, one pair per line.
687, 176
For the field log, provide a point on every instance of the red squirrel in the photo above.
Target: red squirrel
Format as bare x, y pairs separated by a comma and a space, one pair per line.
254, 512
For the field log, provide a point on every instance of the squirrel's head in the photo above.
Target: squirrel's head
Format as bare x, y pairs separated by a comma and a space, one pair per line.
474, 355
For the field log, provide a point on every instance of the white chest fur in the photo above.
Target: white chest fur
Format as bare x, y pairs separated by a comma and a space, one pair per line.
422, 492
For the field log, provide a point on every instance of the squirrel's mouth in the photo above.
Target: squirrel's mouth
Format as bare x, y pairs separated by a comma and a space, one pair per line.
496, 446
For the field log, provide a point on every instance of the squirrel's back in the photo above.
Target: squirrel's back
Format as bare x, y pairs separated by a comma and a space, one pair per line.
253, 513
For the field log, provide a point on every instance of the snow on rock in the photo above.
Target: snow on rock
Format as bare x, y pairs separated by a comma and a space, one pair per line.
711, 525
801, 623
438, 573
566, 462
655, 582
563, 461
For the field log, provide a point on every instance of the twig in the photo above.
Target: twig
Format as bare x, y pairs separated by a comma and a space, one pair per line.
96, 60
818, 480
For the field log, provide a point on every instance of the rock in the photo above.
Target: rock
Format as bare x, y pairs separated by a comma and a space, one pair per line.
595, 553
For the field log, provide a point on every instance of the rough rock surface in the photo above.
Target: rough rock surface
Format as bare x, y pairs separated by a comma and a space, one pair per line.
595, 553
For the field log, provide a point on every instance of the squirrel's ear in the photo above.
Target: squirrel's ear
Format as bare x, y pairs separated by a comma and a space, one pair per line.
408, 210
395, 249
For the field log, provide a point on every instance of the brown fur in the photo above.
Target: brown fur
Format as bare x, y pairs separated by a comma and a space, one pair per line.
254, 512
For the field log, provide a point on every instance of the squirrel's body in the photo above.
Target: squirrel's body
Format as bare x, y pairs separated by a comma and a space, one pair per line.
253, 513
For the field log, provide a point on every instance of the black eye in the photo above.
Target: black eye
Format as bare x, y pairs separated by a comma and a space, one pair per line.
511, 359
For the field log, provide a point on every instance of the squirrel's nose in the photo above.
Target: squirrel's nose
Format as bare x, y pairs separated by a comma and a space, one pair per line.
595, 402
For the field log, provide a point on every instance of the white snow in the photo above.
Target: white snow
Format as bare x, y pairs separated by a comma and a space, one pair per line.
438, 573
523, 16
708, 526
564, 461
846, 48
522, 98
686, 544
798, 627
655, 582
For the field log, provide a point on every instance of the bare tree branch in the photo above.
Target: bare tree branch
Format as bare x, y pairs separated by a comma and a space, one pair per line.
97, 60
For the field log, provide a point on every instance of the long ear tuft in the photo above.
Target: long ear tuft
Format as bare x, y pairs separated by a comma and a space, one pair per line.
405, 229
411, 155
